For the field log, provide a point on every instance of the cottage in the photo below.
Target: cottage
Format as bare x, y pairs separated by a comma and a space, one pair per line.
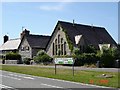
10, 45
68, 36
31, 44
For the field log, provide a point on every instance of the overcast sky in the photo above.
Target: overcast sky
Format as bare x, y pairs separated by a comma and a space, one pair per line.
41, 17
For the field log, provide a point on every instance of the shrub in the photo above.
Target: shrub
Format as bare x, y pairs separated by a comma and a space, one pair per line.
85, 58
13, 56
90, 49
108, 58
42, 57
26, 61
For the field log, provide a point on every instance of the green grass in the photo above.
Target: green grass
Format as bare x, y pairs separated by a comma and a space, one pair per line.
88, 77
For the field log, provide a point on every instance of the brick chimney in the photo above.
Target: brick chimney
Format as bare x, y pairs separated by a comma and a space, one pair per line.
25, 33
5, 38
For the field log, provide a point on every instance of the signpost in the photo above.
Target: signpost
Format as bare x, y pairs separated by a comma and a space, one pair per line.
61, 61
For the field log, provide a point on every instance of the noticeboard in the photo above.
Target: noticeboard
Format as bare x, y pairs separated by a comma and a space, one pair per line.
64, 61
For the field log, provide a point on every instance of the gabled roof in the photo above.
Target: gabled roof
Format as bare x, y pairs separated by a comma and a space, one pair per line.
11, 44
37, 41
91, 34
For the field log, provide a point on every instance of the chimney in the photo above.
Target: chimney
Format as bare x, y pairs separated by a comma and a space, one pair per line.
91, 25
6, 38
25, 33
73, 22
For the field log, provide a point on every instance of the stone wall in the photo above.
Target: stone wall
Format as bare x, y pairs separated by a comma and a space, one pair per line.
11, 61
25, 53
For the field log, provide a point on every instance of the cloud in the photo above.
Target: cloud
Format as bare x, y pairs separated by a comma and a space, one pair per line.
58, 7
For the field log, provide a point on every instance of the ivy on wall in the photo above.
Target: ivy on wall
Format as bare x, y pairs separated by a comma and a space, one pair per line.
68, 40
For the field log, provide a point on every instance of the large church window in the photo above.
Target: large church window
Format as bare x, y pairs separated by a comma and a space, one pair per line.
64, 48
59, 39
53, 49
56, 47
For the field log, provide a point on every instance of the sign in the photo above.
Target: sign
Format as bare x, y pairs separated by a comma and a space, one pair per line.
64, 61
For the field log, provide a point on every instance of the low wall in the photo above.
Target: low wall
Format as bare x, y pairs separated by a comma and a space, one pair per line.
0, 61
11, 61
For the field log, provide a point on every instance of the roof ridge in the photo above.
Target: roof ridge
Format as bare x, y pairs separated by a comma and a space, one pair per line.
14, 39
37, 35
81, 24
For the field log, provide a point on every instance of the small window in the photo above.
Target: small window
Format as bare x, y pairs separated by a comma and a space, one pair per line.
22, 48
27, 48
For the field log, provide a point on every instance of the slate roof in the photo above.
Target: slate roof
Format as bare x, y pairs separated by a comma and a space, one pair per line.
37, 41
91, 34
11, 44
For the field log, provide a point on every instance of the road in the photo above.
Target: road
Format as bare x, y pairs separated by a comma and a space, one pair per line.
16, 81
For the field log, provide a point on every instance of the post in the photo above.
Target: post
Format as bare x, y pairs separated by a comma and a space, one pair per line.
55, 69
73, 69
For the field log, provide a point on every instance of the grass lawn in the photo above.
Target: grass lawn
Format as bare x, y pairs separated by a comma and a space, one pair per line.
89, 77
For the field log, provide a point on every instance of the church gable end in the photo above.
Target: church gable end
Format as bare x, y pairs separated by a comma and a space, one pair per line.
58, 44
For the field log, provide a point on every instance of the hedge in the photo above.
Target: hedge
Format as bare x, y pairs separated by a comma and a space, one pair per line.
13, 56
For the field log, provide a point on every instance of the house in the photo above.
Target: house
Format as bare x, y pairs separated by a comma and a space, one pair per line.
68, 36
9, 45
31, 44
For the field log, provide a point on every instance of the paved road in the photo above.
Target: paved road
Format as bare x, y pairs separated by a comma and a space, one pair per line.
15, 81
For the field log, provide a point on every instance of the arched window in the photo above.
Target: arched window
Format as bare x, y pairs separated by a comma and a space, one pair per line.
56, 47
53, 49
64, 48
59, 39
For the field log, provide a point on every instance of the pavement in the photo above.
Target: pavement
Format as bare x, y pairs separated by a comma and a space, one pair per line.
17, 81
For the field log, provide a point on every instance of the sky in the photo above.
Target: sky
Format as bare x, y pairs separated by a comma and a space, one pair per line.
42, 17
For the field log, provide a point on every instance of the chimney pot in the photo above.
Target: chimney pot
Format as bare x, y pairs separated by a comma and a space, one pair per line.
6, 38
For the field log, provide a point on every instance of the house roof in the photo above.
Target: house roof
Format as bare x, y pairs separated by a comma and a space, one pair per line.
91, 34
37, 41
11, 44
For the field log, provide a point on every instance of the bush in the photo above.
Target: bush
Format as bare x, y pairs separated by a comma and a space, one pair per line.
108, 58
13, 56
42, 57
90, 49
85, 58
26, 61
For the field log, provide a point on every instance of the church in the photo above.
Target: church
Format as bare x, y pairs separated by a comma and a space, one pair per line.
68, 36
